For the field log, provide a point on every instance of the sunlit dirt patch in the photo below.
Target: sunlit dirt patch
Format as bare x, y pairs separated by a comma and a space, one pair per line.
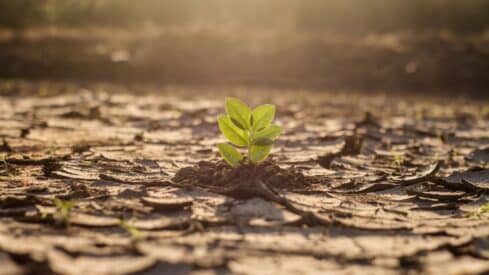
356, 184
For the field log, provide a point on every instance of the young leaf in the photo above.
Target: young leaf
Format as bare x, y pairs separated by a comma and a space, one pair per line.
246, 128
64, 208
230, 155
263, 141
259, 153
231, 132
271, 132
238, 111
262, 116
64, 205
238, 124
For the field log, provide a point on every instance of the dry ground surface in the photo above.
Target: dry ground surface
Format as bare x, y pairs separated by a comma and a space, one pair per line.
385, 184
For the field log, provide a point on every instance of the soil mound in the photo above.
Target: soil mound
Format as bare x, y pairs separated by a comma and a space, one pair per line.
219, 176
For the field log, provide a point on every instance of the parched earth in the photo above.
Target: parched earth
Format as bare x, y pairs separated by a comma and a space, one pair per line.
358, 184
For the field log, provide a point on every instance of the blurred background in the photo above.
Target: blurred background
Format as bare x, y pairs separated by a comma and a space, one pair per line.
436, 46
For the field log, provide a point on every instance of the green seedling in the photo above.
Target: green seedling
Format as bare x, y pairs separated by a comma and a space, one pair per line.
132, 230
8, 170
63, 208
3, 161
419, 113
249, 129
420, 188
485, 111
397, 159
479, 212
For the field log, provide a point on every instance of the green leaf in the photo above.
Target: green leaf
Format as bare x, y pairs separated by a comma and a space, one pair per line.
259, 153
237, 124
231, 132
262, 116
238, 111
230, 154
263, 141
61, 204
271, 132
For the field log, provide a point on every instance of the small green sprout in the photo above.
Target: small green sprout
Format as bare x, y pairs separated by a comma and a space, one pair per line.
132, 230
485, 111
5, 167
3, 160
246, 128
479, 212
64, 208
397, 159
420, 188
419, 112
